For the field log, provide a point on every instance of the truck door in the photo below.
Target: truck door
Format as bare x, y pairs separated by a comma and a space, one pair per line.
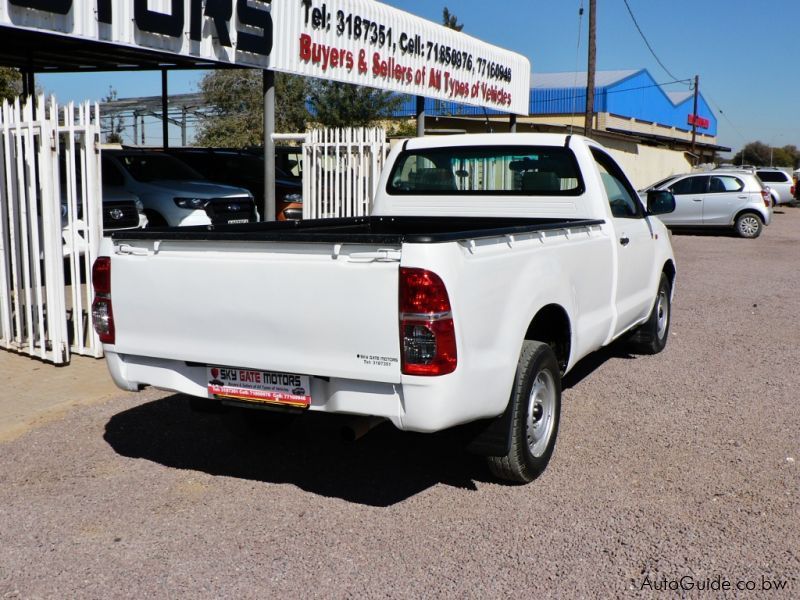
633, 239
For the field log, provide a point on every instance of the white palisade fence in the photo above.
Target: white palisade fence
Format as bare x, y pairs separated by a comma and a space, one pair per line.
341, 170
50, 228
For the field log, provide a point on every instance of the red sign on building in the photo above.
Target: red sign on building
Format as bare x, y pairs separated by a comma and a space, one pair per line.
700, 122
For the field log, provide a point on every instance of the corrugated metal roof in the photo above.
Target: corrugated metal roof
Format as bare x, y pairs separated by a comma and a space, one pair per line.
571, 79
678, 97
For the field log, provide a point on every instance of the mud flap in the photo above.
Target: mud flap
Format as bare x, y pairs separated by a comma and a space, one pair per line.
492, 437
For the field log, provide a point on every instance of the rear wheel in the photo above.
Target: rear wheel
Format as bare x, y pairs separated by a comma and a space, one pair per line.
748, 225
535, 406
651, 336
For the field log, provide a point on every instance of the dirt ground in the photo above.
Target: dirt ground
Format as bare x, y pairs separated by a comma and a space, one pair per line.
674, 474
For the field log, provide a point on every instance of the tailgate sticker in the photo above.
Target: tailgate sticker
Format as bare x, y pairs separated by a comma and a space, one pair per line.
260, 386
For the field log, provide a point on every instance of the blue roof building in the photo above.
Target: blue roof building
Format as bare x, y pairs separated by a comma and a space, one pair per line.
625, 102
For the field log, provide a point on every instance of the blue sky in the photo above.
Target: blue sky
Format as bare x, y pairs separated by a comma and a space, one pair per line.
745, 52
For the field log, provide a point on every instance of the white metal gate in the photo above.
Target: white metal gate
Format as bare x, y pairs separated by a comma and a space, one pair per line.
50, 228
341, 168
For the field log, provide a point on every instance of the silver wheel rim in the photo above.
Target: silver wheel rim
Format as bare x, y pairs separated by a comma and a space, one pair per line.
541, 413
662, 314
748, 226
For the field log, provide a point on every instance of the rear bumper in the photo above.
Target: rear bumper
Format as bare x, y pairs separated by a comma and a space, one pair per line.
423, 404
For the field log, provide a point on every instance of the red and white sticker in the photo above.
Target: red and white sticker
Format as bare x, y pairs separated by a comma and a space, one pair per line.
253, 385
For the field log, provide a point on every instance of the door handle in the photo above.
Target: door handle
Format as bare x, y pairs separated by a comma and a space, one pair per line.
697, 199
742, 197
624, 241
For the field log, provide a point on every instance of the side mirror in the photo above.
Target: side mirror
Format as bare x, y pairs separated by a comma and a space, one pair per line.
660, 202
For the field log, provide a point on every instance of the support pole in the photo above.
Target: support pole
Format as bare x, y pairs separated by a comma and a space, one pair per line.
589, 119
135, 128
268, 85
183, 126
694, 110
164, 109
512, 123
420, 116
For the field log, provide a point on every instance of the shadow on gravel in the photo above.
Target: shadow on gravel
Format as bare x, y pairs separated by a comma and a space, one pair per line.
701, 232
384, 467
586, 366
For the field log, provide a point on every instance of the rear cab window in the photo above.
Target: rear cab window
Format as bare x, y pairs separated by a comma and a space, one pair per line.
487, 170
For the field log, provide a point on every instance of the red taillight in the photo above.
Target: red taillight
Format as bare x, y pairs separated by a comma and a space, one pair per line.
791, 191
101, 275
427, 334
102, 312
765, 196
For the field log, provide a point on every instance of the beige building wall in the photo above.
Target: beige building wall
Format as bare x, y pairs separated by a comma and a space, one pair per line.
645, 164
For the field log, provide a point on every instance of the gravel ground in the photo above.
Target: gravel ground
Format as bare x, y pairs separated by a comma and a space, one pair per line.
681, 465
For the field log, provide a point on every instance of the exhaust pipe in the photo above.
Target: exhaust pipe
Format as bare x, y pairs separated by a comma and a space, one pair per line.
358, 427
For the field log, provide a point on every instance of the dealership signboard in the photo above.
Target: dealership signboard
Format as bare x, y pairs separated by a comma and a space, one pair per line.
369, 43
355, 41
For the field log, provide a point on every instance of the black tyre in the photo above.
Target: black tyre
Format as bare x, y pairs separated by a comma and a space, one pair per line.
748, 225
535, 406
206, 405
651, 336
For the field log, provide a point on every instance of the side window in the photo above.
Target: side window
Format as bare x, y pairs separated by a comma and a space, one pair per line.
622, 199
726, 183
690, 185
111, 174
773, 176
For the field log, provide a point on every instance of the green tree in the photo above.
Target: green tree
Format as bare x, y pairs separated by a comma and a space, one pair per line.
10, 84
754, 153
337, 104
236, 118
450, 21
760, 154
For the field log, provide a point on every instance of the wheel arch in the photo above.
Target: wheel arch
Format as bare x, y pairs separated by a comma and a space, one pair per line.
751, 211
552, 325
670, 271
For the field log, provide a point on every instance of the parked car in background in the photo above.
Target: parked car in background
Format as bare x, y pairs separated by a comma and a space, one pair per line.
121, 210
245, 168
736, 199
780, 183
173, 193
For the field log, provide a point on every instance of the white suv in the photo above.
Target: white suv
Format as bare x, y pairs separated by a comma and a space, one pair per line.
780, 183
173, 193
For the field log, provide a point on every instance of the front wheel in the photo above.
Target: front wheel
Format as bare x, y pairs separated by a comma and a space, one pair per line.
748, 225
535, 406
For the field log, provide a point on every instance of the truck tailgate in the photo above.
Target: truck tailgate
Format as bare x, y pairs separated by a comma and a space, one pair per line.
307, 308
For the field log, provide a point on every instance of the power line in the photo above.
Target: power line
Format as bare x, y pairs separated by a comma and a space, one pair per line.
720, 111
649, 47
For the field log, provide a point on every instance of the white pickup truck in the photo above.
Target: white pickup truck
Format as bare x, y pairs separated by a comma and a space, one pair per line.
490, 265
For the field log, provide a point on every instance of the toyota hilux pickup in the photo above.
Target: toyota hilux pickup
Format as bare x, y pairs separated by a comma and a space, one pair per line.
489, 266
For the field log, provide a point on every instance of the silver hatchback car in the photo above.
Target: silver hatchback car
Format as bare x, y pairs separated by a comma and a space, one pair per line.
734, 199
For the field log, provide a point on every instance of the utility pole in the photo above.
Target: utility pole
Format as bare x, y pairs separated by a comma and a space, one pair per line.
694, 111
589, 121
